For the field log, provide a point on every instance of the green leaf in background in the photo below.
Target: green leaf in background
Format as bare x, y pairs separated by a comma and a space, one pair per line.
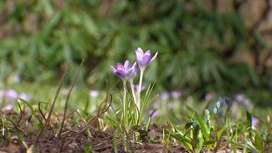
200, 50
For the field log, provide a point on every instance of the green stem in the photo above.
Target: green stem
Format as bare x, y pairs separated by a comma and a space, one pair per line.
125, 117
134, 99
139, 91
133, 92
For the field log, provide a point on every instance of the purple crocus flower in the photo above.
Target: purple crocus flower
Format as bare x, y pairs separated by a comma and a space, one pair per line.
144, 59
125, 71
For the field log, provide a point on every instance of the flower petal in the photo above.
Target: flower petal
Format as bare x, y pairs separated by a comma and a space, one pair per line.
129, 73
126, 65
119, 66
139, 54
147, 53
136, 67
154, 57
134, 71
145, 60
120, 73
113, 69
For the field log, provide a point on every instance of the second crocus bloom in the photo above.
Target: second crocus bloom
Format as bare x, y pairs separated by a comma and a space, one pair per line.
125, 71
144, 59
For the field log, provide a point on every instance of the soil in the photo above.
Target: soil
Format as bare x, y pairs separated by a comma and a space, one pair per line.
74, 137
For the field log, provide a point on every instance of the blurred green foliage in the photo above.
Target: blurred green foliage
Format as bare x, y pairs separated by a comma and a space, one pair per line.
39, 38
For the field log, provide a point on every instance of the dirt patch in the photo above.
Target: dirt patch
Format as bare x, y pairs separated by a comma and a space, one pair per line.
20, 136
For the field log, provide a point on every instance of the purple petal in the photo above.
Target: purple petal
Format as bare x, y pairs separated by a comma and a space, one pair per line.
145, 60
25, 96
136, 67
120, 73
129, 73
11, 94
136, 86
154, 57
113, 69
139, 50
126, 65
132, 74
139, 54
119, 66
147, 53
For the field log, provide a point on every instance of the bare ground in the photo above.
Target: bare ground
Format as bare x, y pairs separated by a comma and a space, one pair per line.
74, 138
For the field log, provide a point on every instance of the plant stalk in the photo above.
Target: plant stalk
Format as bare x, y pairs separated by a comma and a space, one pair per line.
125, 117
138, 104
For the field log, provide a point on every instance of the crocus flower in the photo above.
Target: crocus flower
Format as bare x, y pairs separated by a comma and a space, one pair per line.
144, 59
125, 71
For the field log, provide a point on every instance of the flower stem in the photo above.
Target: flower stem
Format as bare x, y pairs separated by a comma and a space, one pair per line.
133, 92
134, 99
125, 117
139, 91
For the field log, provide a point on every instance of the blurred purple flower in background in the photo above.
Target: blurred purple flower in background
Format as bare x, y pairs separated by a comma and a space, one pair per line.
242, 99
144, 59
136, 86
153, 113
25, 96
176, 94
11, 94
94, 93
157, 104
8, 107
125, 71
209, 96
255, 121
16, 79
165, 95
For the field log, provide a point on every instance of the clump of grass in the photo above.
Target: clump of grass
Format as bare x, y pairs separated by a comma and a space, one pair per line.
193, 126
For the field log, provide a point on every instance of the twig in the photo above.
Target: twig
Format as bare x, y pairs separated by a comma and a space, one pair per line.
102, 107
53, 104
39, 106
67, 99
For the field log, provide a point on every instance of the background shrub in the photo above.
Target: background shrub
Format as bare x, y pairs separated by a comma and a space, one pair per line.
202, 47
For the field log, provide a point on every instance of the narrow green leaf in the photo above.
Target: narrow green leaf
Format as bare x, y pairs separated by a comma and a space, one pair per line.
203, 127
258, 141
